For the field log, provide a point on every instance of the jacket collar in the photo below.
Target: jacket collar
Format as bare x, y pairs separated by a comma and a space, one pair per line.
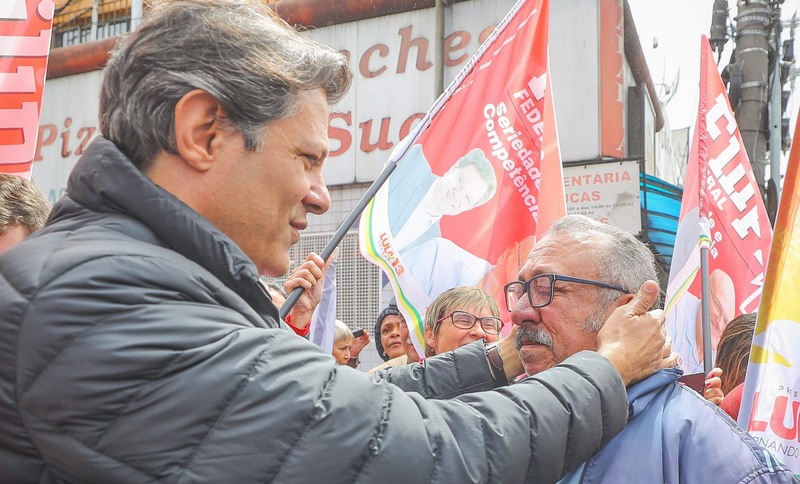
105, 180
641, 393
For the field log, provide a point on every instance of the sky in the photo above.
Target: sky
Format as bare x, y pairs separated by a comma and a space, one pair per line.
677, 25
669, 31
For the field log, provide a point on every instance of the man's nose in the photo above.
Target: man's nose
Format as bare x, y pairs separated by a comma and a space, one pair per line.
318, 199
524, 314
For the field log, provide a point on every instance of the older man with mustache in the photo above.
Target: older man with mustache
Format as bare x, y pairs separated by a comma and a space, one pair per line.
573, 279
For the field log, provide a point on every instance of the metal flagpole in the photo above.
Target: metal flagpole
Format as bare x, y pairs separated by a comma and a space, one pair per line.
705, 299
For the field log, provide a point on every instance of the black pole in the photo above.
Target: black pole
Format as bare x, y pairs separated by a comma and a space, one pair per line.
705, 293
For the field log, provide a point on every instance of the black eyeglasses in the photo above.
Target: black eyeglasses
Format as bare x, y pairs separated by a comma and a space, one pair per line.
540, 289
465, 320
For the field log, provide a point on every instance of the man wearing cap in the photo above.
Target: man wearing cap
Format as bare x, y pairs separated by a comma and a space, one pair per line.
392, 340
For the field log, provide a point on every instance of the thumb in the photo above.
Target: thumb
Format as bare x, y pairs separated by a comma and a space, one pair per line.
645, 298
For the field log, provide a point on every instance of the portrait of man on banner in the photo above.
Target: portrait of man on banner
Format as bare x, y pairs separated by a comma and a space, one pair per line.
463, 205
686, 330
419, 199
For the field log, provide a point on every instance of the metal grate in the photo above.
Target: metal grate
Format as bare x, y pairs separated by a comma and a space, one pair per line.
359, 294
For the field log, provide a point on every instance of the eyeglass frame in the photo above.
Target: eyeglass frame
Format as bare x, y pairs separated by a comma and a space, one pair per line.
475, 320
526, 287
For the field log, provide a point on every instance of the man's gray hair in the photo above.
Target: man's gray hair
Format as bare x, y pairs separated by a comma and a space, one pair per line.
620, 258
239, 51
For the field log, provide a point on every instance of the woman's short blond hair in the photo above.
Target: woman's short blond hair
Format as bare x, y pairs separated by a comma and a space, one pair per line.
456, 299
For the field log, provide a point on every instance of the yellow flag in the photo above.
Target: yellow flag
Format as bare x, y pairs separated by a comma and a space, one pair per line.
771, 396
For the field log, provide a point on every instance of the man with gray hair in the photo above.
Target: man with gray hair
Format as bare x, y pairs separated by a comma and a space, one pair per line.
138, 344
23, 210
575, 276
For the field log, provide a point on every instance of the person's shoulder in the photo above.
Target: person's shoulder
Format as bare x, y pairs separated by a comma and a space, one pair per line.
662, 393
394, 362
733, 401
111, 247
702, 426
684, 399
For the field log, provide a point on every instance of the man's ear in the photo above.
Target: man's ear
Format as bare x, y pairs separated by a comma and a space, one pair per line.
622, 300
198, 128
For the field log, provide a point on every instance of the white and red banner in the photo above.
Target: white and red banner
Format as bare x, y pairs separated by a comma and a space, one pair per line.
770, 408
25, 27
464, 205
722, 210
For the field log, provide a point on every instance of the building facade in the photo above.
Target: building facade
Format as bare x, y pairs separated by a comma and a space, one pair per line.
613, 132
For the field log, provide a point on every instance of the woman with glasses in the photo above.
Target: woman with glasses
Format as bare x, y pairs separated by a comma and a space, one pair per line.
460, 316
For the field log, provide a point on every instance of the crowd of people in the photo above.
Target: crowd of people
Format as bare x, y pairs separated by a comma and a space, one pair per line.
140, 342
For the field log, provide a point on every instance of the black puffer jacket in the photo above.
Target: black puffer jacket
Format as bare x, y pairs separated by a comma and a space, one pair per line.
136, 346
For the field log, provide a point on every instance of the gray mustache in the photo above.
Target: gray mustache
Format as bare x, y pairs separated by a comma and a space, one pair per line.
535, 335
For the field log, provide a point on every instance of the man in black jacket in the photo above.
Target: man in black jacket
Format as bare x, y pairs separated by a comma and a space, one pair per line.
137, 344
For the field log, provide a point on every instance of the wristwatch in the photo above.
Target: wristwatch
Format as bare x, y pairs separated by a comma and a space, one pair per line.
496, 364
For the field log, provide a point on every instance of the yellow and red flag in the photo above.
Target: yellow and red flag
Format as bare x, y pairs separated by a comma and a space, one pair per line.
722, 210
478, 179
770, 408
25, 27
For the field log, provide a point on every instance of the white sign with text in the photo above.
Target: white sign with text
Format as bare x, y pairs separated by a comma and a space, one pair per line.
608, 192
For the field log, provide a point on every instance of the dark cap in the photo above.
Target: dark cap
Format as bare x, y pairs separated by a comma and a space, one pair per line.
389, 311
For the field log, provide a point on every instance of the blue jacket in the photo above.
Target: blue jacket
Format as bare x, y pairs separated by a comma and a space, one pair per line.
675, 436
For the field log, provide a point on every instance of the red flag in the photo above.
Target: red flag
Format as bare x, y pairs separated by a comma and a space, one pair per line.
25, 27
463, 206
723, 210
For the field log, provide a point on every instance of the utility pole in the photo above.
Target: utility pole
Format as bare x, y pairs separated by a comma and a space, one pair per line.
775, 121
752, 54
759, 67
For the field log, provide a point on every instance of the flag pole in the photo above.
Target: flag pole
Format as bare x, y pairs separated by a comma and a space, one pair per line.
705, 288
400, 151
705, 298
